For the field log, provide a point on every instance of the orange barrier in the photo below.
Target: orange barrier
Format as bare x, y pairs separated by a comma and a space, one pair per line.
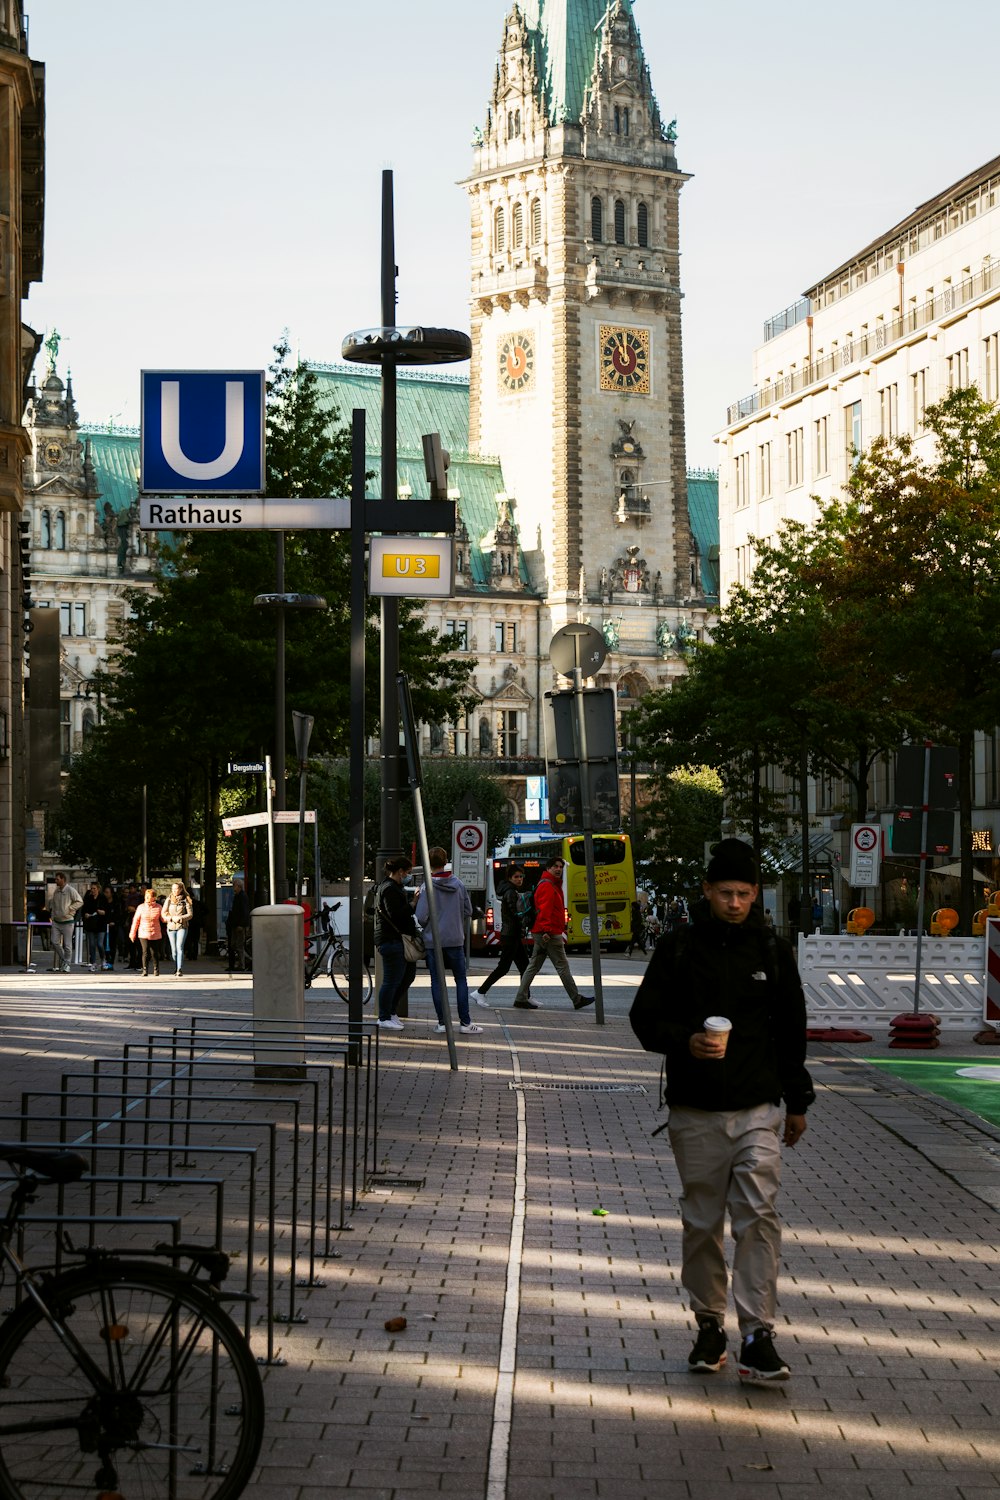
859, 919
944, 921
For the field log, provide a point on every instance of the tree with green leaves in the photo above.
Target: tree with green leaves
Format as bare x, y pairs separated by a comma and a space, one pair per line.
192, 675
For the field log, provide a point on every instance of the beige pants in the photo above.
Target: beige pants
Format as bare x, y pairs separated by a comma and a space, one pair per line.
730, 1160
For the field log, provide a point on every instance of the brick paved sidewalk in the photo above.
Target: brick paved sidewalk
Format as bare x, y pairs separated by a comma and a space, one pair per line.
889, 1303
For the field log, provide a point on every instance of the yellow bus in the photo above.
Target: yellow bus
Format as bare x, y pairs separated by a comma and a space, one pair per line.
614, 878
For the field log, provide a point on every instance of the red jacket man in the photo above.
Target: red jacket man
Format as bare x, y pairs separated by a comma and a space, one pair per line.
549, 933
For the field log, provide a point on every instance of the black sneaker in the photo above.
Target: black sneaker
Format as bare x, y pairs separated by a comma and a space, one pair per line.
759, 1359
582, 1000
709, 1352
526, 1005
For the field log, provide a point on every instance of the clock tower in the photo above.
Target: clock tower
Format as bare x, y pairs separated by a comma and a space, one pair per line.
576, 381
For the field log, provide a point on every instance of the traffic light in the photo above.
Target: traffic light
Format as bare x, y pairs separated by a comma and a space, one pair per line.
437, 461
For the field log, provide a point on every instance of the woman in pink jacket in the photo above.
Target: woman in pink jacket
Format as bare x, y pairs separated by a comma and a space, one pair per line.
147, 927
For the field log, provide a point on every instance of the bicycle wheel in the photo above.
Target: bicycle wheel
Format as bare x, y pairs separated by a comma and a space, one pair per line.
156, 1396
339, 974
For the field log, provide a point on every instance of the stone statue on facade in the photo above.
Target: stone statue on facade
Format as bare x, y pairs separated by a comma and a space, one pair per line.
664, 639
611, 631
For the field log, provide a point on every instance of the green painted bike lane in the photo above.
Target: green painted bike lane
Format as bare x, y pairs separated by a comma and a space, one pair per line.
968, 1081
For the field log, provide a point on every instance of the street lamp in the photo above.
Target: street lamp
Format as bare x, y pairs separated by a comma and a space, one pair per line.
388, 346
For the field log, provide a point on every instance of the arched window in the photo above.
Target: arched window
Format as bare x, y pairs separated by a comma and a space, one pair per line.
46, 529
517, 123
625, 119
499, 231
516, 227
618, 121
596, 219
60, 541
619, 222
510, 124
536, 222
643, 224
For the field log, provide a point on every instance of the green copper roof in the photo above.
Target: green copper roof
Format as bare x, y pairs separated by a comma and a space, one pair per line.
425, 402
568, 34
115, 456
703, 509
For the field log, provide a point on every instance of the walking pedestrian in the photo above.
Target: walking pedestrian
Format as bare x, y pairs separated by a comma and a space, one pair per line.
94, 915
548, 934
64, 903
112, 905
722, 1000
131, 902
176, 913
393, 916
512, 949
454, 909
148, 928
237, 927
637, 936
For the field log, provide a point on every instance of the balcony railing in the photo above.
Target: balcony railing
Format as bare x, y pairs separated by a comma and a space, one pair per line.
968, 290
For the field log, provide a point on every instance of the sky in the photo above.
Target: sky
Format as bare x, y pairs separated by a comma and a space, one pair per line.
214, 168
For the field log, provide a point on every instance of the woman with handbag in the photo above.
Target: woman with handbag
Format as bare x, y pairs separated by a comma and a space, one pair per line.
395, 930
177, 913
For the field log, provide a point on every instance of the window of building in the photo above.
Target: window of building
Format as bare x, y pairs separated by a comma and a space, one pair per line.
72, 619
852, 416
457, 737
513, 124
764, 470
499, 231
888, 398
60, 535
65, 732
516, 227
536, 222
958, 369
918, 402
991, 351
794, 442
619, 222
642, 217
46, 529
742, 469
505, 636
821, 446
626, 120
459, 630
506, 732
618, 121
596, 219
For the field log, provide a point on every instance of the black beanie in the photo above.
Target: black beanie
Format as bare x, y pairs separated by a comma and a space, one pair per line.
732, 859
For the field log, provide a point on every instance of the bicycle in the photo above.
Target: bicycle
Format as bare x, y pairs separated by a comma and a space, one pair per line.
330, 956
120, 1379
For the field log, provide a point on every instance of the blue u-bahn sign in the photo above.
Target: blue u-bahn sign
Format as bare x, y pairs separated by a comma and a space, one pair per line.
202, 432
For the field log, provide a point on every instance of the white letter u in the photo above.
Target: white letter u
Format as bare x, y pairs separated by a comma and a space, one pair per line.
170, 433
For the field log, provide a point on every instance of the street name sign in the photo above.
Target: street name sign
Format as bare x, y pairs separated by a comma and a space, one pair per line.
246, 768
202, 432
245, 820
182, 512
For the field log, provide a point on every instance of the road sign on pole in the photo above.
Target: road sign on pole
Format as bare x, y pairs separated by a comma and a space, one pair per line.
202, 432
468, 852
866, 854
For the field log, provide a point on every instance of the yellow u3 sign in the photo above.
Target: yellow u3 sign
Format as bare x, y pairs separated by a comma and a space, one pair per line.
411, 566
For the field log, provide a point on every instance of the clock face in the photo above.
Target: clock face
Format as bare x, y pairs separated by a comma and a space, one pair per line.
517, 362
624, 359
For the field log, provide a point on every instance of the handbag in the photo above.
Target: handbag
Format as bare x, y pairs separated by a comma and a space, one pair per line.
413, 947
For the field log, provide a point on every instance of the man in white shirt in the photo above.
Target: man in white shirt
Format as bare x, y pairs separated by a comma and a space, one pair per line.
64, 903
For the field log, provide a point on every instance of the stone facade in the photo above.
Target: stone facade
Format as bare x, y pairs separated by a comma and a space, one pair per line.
22, 115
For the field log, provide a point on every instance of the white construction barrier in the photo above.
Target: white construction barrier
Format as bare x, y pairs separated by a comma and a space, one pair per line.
865, 981
279, 1005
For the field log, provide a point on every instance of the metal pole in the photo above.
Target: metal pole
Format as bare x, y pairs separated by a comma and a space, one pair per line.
923, 876
300, 853
145, 839
389, 830
317, 898
356, 867
270, 830
588, 834
279, 890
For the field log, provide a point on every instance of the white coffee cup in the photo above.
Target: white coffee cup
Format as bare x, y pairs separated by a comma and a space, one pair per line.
718, 1027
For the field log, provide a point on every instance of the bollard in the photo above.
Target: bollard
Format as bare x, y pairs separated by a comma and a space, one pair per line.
278, 992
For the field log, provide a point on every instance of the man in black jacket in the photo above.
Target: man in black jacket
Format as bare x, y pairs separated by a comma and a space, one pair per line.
724, 1094
512, 949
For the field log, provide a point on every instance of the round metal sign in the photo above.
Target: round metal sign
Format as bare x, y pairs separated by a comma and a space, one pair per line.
578, 645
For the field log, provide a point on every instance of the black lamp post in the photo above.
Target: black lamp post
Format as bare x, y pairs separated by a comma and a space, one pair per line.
387, 347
